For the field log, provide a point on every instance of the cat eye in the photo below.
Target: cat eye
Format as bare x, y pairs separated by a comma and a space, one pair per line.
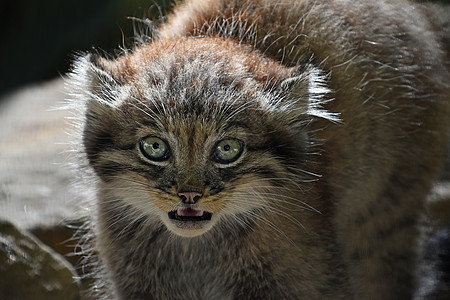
228, 151
154, 148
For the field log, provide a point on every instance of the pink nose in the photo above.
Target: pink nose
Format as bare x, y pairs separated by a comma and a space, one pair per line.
190, 197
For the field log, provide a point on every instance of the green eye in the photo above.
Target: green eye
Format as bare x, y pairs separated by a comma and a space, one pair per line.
228, 151
154, 148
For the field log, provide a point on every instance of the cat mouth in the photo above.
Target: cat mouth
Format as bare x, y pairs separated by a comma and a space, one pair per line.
189, 214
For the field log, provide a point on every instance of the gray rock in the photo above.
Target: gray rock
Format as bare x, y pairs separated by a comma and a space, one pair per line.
35, 180
31, 270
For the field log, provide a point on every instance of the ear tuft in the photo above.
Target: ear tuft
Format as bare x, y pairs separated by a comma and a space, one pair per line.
100, 76
93, 80
306, 94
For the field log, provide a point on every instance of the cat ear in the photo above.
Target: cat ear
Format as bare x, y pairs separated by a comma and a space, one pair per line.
96, 80
305, 93
101, 73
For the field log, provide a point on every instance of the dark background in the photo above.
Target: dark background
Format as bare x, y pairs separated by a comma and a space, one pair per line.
40, 37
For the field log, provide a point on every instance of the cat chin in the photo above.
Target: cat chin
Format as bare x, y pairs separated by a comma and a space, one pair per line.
188, 228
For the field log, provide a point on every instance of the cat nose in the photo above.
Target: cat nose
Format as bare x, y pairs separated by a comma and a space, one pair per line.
190, 197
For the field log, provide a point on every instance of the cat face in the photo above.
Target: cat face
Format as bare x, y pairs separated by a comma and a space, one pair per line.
195, 140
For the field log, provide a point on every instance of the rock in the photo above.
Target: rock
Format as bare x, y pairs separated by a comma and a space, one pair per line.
35, 180
438, 203
435, 271
31, 270
37, 192
62, 239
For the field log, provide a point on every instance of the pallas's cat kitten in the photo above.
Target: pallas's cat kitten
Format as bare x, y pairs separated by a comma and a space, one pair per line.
265, 150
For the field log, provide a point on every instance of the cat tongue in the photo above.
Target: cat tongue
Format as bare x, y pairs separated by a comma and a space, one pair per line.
189, 212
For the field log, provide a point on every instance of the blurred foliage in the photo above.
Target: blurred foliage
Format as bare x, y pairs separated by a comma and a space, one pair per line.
40, 37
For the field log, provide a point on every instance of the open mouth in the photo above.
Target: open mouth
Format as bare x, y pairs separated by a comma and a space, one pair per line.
189, 214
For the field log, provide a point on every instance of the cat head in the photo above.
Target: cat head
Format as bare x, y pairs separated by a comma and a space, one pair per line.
197, 132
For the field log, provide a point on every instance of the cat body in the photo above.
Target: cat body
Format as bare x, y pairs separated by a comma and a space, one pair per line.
266, 150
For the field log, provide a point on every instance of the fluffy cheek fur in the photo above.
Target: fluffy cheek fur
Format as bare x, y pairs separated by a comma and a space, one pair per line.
238, 202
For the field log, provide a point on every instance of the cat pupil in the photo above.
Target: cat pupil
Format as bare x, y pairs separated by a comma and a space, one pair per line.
155, 146
226, 147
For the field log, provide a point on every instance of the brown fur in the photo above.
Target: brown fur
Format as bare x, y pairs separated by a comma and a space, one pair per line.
256, 71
